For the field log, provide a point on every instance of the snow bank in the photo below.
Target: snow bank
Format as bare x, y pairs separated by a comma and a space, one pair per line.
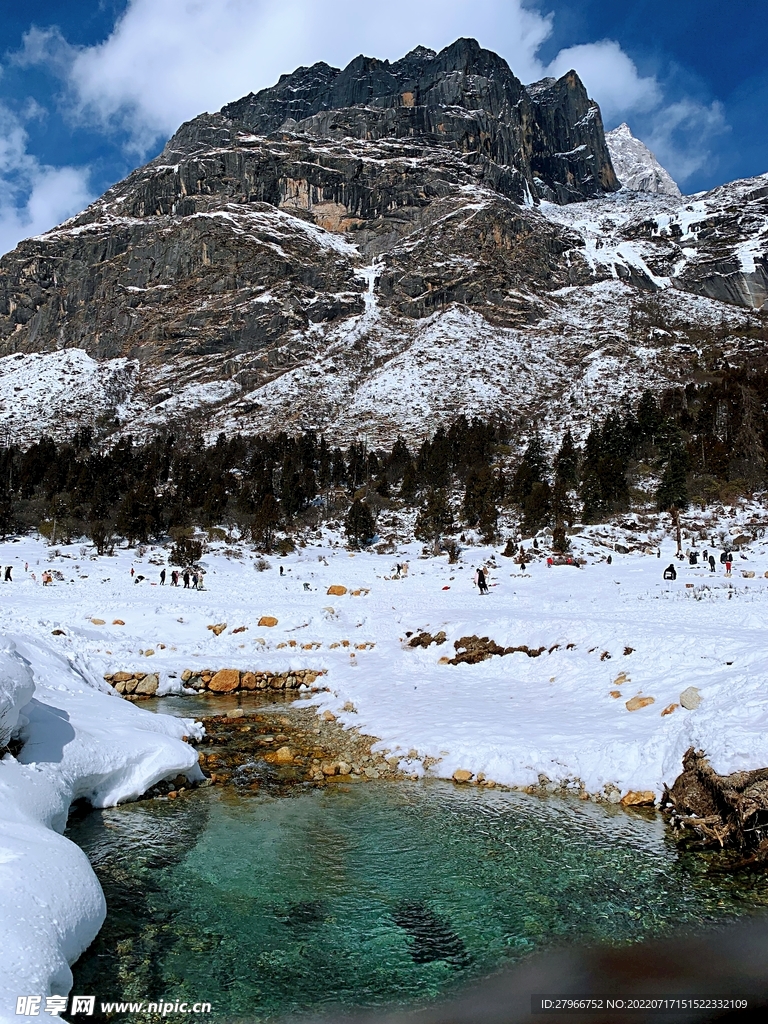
78, 742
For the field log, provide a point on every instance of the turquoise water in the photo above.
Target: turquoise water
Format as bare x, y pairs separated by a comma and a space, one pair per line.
370, 894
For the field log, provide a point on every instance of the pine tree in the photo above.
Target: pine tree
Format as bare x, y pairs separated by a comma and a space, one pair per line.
359, 525
566, 462
266, 521
435, 517
673, 490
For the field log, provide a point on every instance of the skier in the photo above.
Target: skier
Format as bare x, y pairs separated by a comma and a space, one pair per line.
162, 577
8, 574
670, 573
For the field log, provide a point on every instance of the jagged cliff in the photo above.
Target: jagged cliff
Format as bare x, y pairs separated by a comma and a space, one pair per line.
316, 250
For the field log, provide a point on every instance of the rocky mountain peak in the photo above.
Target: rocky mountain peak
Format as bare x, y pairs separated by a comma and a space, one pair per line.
636, 166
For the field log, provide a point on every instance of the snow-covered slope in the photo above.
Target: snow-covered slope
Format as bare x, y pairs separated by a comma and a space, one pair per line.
79, 742
636, 166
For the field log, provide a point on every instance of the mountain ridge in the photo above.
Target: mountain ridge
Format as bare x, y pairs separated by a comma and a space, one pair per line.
341, 277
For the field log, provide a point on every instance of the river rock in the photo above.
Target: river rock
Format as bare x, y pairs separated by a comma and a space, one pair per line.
248, 681
344, 768
235, 713
635, 703
336, 590
148, 685
638, 798
284, 755
462, 775
690, 698
268, 620
225, 681
186, 675
371, 773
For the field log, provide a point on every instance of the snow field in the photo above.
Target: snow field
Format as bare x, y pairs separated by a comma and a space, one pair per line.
513, 718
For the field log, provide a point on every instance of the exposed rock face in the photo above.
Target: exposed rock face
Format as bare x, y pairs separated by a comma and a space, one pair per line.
546, 140
636, 166
325, 253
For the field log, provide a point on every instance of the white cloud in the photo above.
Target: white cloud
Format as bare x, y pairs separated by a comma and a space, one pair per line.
167, 60
33, 196
681, 133
610, 76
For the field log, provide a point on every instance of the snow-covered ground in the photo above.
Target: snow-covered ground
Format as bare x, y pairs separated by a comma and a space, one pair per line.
610, 627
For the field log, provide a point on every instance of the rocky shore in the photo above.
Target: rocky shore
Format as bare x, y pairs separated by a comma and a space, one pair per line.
141, 685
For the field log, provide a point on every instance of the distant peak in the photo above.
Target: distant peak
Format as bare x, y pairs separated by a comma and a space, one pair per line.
635, 165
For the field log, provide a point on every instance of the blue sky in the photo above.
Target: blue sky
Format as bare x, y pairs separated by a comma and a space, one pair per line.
91, 88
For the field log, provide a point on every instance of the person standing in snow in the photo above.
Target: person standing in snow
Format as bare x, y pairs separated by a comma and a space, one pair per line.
132, 572
711, 563
728, 563
194, 581
162, 577
8, 574
482, 585
185, 577
670, 573
175, 578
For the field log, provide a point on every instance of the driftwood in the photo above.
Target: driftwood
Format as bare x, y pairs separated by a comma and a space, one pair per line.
723, 810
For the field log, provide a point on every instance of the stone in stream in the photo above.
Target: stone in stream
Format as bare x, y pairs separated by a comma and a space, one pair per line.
462, 775
431, 935
148, 685
638, 798
225, 681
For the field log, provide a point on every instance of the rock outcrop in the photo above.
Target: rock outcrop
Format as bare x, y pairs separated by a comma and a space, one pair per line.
324, 254
636, 166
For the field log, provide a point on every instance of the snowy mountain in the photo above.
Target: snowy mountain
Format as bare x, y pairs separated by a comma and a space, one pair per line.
373, 250
636, 166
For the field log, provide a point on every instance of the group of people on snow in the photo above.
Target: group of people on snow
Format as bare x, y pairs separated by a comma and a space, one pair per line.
192, 578
726, 559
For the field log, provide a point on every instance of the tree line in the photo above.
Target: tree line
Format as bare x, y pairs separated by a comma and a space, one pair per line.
699, 443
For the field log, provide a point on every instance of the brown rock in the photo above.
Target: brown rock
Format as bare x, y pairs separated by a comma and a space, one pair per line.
186, 675
148, 685
635, 703
669, 709
120, 677
690, 698
117, 622
240, 629
328, 769
462, 775
337, 590
636, 798
615, 693
225, 681
120, 687
328, 716
268, 620
130, 685
149, 653
248, 681
344, 768
98, 622
284, 755
60, 632
218, 628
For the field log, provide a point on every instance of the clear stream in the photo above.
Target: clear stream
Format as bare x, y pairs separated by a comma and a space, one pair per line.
371, 894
